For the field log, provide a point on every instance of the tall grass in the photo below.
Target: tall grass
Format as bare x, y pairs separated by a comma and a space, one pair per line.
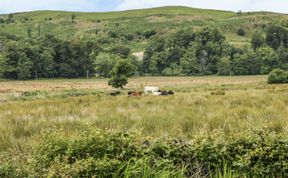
205, 106
192, 110
226, 172
141, 168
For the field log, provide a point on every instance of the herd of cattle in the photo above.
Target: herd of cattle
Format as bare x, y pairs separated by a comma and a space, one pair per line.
147, 90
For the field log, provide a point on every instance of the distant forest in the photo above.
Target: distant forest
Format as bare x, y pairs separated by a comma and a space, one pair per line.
185, 52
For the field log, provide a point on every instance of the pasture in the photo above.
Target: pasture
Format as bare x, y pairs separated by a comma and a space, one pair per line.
200, 106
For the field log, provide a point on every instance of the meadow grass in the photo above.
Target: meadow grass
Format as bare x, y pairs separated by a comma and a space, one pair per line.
223, 106
207, 104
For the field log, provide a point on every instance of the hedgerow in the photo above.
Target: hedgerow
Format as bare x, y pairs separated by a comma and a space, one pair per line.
257, 154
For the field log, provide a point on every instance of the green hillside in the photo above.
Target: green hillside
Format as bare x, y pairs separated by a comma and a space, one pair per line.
129, 27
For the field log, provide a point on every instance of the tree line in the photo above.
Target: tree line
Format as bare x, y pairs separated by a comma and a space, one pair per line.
185, 52
207, 52
50, 57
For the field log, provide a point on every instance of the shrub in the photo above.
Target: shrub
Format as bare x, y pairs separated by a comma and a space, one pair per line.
129, 37
112, 34
278, 76
260, 154
2, 20
7, 169
12, 167
147, 34
122, 51
36, 93
241, 32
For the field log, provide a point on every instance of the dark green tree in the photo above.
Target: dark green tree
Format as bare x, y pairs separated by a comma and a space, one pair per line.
47, 65
181, 38
241, 32
276, 36
10, 18
268, 59
122, 51
173, 70
120, 73
73, 17
169, 53
246, 64
156, 45
149, 33
257, 40
189, 62
33, 52
29, 32
24, 67
283, 57
2, 63
104, 63
12, 55
224, 66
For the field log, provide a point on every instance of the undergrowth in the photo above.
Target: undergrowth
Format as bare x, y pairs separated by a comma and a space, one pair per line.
113, 154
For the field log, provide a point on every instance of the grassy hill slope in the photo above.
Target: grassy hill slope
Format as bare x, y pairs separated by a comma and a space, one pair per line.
98, 26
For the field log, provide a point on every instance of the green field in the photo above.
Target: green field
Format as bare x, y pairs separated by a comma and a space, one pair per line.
225, 108
201, 104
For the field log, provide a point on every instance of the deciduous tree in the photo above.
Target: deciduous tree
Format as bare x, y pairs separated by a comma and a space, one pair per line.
120, 73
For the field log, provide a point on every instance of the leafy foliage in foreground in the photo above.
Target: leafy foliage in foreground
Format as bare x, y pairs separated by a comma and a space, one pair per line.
259, 154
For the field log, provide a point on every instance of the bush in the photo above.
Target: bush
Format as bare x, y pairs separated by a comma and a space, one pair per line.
241, 32
2, 20
93, 153
35, 93
122, 51
112, 34
147, 34
278, 76
259, 154
129, 37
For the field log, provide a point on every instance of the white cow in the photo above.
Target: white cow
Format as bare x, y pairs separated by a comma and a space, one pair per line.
157, 93
151, 89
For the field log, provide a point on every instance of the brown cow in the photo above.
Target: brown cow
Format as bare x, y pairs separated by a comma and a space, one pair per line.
134, 93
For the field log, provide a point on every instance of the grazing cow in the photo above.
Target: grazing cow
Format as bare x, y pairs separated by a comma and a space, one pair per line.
157, 93
165, 93
150, 89
115, 93
170, 92
133, 93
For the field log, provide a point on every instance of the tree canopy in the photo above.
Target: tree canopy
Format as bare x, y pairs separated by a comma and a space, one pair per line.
121, 72
183, 52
